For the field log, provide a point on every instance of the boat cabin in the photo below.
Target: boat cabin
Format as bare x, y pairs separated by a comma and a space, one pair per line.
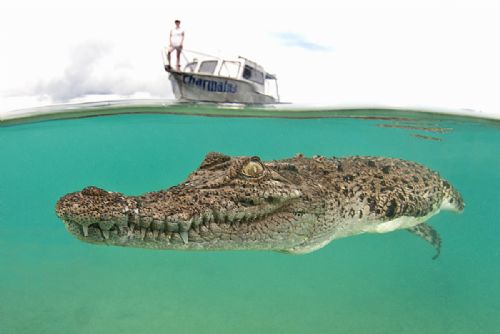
240, 69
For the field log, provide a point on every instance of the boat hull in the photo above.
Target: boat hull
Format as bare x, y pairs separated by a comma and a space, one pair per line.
209, 88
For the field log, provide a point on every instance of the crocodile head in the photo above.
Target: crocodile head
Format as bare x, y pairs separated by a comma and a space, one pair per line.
227, 203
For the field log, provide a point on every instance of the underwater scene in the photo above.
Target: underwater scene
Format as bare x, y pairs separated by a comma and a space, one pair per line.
380, 282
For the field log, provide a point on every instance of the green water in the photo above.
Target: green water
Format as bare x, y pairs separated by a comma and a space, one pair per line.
387, 283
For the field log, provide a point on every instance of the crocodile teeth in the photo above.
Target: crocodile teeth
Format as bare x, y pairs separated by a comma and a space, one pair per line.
239, 216
143, 233
184, 236
85, 230
157, 225
155, 234
197, 221
207, 218
185, 226
216, 216
105, 233
172, 227
131, 231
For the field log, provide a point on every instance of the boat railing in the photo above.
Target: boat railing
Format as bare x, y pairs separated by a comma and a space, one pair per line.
190, 58
187, 57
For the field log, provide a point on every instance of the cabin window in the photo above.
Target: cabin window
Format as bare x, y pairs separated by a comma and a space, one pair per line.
190, 67
230, 69
252, 74
208, 67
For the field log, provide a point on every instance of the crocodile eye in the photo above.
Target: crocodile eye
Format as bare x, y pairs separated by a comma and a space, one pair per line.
253, 169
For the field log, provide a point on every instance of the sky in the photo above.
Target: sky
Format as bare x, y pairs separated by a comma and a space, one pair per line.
433, 54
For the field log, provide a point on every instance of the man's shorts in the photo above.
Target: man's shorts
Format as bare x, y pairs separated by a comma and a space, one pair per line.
172, 48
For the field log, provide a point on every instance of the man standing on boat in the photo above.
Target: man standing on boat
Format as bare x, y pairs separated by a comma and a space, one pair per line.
176, 43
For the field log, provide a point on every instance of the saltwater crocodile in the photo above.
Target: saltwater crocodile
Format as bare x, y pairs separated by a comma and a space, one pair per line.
295, 205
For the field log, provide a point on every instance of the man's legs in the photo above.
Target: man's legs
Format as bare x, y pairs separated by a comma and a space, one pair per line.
179, 50
170, 49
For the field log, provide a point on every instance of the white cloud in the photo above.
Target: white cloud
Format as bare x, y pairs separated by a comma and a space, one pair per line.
97, 68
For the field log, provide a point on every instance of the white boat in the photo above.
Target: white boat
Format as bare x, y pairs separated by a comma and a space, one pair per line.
212, 79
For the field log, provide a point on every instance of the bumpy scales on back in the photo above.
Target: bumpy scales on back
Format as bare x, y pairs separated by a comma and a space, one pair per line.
295, 205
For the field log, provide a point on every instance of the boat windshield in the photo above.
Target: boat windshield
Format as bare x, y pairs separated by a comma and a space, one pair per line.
208, 66
230, 69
